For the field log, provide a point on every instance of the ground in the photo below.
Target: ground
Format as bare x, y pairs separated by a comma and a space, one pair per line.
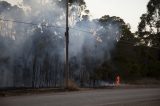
103, 97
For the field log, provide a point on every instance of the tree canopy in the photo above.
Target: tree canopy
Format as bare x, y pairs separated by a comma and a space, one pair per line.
149, 27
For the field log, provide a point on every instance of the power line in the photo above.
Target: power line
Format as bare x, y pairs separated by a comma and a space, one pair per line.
34, 24
29, 23
124, 41
132, 43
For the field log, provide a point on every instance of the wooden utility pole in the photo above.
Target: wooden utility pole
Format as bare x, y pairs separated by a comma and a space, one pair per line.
67, 48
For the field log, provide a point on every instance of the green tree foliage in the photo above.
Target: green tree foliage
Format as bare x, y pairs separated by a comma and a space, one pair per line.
149, 27
137, 62
129, 60
109, 69
80, 3
39, 61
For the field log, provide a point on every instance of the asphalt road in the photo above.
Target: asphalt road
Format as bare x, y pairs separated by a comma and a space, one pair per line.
109, 97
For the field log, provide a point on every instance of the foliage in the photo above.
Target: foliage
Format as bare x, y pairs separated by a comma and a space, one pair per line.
39, 61
149, 27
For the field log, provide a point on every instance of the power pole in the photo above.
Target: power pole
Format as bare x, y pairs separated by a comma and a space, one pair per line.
67, 48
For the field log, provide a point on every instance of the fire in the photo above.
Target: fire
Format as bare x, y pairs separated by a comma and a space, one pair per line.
117, 80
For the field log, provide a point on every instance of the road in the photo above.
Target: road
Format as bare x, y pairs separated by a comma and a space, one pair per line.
109, 97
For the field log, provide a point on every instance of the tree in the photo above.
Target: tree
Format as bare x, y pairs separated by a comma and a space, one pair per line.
124, 29
114, 30
149, 27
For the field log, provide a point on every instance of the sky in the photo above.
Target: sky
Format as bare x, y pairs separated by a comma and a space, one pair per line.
129, 10
13, 1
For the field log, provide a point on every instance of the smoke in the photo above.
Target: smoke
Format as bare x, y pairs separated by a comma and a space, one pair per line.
37, 42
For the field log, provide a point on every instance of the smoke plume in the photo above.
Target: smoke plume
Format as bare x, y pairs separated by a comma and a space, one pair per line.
32, 42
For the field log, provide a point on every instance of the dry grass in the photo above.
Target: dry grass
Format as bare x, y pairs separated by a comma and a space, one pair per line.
72, 86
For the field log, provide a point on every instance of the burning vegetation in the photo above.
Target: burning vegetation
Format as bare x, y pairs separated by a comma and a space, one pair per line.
32, 45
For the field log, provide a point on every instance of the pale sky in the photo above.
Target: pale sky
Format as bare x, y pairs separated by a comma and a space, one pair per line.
129, 10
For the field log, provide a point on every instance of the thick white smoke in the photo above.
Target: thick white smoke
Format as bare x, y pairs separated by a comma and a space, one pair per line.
43, 21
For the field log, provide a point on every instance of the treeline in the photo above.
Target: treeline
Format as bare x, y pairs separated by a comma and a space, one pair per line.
130, 62
34, 57
137, 55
